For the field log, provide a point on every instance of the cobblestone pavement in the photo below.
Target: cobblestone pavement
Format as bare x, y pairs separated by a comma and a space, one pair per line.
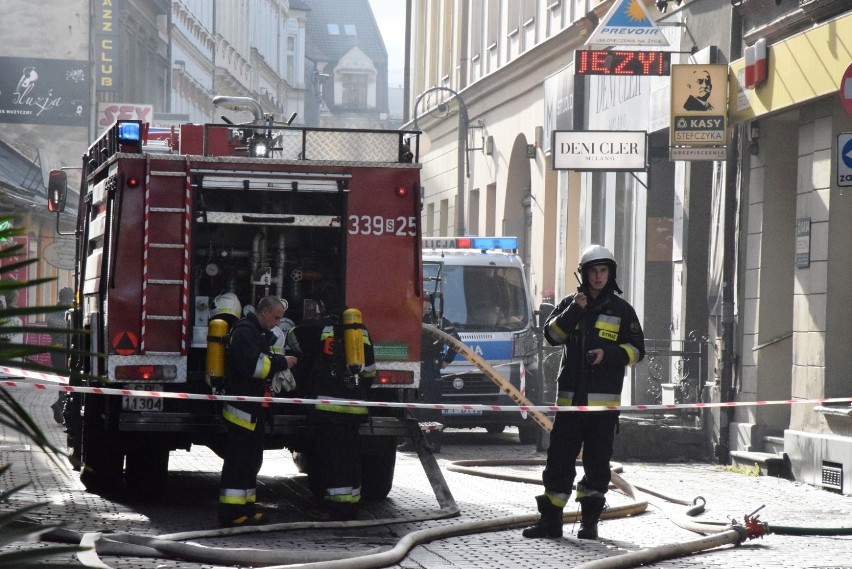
189, 504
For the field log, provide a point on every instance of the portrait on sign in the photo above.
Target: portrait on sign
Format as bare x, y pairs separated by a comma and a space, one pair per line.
699, 109
699, 88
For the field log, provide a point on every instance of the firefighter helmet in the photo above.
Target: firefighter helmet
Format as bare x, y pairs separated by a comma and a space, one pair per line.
277, 346
599, 255
227, 307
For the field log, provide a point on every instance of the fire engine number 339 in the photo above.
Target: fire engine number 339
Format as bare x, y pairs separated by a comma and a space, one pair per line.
378, 225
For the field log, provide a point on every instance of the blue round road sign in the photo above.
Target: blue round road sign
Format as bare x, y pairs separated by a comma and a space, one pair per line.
846, 153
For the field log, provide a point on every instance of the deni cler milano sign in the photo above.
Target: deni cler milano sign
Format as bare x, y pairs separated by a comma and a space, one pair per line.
600, 150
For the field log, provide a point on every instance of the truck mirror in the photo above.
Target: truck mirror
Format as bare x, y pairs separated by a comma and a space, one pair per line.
544, 310
438, 305
57, 191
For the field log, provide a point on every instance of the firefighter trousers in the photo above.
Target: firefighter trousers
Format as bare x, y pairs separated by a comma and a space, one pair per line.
337, 460
594, 433
242, 459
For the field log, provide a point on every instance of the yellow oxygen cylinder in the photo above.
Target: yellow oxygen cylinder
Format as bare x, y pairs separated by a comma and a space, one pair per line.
353, 340
217, 332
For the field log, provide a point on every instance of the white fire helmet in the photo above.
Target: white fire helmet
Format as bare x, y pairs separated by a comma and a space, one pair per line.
226, 304
277, 346
599, 255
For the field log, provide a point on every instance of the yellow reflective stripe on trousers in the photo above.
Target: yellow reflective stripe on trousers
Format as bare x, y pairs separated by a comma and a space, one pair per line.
233, 496
238, 417
584, 492
632, 353
344, 494
557, 498
342, 409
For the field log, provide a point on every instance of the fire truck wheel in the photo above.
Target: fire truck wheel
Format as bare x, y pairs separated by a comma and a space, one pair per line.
146, 472
495, 429
101, 456
378, 462
528, 432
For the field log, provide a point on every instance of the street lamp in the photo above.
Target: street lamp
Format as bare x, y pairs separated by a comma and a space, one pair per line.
462, 150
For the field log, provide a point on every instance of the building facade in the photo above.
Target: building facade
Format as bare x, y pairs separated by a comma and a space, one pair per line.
347, 65
794, 262
159, 61
702, 244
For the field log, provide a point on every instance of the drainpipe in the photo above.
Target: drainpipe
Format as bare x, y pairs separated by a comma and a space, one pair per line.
463, 58
726, 391
406, 71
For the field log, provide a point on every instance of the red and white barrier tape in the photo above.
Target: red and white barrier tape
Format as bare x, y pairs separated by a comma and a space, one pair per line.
16, 372
61, 384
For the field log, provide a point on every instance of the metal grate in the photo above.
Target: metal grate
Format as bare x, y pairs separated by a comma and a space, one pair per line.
352, 146
832, 476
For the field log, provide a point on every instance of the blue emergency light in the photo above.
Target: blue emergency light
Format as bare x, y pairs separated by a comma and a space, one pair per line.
493, 242
481, 243
129, 131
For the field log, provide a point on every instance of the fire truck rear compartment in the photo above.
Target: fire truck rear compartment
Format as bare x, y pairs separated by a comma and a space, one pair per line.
254, 242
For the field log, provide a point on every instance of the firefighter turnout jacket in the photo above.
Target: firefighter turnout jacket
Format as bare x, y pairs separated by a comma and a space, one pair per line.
250, 365
609, 323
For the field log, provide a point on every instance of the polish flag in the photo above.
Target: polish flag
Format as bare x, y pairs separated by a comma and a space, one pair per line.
755, 60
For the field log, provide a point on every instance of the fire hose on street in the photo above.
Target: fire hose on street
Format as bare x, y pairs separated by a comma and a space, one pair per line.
173, 546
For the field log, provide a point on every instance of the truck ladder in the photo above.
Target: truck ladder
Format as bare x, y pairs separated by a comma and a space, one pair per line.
165, 264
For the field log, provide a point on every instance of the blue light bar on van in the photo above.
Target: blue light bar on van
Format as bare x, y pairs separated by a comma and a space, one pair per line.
494, 243
129, 132
470, 243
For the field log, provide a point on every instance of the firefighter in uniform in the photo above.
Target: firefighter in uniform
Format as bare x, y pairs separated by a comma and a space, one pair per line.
251, 366
600, 335
335, 458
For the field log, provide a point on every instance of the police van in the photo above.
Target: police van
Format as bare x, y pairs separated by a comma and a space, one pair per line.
479, 284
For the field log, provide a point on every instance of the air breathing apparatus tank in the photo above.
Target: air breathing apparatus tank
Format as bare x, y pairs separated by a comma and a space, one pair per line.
353, 340
217, 333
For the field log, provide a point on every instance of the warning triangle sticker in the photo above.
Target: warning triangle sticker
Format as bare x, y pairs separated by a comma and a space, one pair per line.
124, 343
627, 23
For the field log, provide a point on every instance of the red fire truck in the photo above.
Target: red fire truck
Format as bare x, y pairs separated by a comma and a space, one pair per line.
170, 219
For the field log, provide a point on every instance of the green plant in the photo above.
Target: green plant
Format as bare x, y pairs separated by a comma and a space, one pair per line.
14, 525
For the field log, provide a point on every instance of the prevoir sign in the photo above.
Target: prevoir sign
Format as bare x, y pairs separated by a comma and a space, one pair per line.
600, 150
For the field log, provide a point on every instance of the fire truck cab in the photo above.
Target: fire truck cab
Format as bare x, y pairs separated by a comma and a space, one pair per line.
169, 220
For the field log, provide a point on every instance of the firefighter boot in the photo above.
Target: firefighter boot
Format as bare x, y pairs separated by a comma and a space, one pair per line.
590, 512
550, 523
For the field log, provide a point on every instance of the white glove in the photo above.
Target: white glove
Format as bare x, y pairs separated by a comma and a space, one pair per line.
283, 381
